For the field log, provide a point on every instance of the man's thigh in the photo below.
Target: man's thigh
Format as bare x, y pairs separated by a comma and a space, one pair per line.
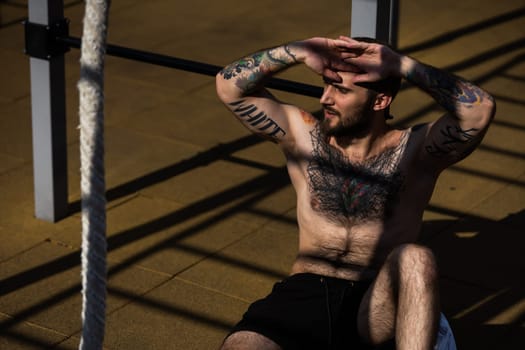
377, 312
247, 340
407, 267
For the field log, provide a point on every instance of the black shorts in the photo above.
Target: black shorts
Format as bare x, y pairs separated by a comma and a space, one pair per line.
308, 311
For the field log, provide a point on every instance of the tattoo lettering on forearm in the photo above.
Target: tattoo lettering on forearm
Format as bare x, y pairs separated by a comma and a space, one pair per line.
452, 137
252, 116
448, 90
249, 71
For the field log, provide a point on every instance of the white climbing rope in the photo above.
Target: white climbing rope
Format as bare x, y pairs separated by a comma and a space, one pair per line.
91, 112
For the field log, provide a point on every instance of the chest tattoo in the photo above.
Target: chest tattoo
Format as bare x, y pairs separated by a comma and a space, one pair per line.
342, 190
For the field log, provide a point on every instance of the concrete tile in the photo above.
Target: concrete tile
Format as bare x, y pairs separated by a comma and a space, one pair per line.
506, 85
17, 196
484, 252
508, 114
284, 223
269, 204
249, 268
497, 162
17, 207
14, 242
71, 344
508, 143
25, 276
167, 238
506, 206
443, 20
171, 80
16, 116
264, 153
27, 336
177, 315
8, 162
502, 162
199, 121
14, 86
129, 101
11, 12
55, 269
270, 193
238, 35
460, 191
208, 180
151, 160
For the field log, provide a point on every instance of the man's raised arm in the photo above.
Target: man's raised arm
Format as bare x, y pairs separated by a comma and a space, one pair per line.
470, 111
240, 85
469, 108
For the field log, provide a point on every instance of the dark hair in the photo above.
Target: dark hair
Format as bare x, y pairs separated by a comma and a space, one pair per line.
390, 85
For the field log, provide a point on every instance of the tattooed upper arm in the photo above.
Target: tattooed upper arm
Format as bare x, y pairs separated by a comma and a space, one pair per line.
470, 110
257, 118
447, 142
240, 86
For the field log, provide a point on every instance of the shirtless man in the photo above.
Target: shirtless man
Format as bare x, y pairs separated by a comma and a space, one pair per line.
362, 186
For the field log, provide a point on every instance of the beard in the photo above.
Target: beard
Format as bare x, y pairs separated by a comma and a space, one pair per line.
357, 123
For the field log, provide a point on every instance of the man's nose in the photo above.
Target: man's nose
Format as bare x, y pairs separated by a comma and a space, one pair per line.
326, 98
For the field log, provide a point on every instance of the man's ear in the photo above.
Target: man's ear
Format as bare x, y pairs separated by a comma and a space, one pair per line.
382, 101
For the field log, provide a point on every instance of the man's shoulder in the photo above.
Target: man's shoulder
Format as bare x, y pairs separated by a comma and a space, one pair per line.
419, 127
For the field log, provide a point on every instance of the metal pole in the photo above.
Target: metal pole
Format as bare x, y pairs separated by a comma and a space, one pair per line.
192, 66
48, 121
376, 19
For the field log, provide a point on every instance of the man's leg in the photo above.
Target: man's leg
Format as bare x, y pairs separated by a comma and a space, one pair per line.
403, 301
246, 340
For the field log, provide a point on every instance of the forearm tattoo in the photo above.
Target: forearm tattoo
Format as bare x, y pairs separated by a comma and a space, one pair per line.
259, 120
248, 72
449, 91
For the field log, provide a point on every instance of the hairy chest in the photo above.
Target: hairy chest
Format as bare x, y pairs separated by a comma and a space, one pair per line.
343, 191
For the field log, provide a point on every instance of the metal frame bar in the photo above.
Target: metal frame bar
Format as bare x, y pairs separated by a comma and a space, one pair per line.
192, 66
48, 110
376, 19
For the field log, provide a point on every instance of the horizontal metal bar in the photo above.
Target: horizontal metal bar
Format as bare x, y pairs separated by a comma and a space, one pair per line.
193, 66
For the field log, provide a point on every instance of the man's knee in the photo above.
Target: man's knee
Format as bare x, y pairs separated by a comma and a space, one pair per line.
415, 261
245, 340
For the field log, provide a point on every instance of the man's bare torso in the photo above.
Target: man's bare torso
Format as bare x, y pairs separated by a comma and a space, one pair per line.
350, 213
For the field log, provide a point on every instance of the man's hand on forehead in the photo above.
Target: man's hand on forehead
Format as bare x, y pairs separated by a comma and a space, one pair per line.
327, 57
371, 61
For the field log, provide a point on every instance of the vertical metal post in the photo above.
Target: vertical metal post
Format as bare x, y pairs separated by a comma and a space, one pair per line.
376, 19
48, 109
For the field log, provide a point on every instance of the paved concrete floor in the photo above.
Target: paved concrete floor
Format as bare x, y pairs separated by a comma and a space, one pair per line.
201, 215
